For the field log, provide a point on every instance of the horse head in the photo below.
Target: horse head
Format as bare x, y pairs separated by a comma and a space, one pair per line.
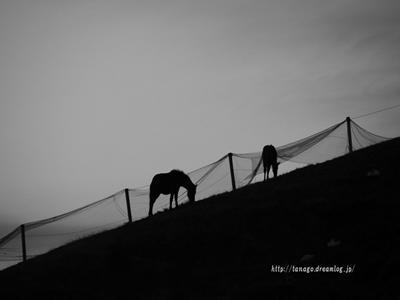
191, 192
275, 168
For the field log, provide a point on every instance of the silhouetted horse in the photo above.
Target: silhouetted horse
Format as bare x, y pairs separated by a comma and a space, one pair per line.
269, 158
169, 183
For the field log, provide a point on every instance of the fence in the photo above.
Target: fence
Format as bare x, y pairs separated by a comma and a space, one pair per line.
227, 173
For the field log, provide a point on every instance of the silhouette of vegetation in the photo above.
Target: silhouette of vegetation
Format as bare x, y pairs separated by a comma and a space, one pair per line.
341, 212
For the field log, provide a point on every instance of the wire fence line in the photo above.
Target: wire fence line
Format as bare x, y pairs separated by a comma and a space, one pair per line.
233, 170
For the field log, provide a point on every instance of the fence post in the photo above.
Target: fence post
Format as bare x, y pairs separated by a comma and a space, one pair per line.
350, 142
23, 242
128, 205
232, 172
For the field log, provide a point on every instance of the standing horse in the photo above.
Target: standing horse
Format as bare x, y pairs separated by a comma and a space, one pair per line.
169, 183
269, 158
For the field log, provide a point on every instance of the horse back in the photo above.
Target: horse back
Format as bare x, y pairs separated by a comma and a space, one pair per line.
162, 183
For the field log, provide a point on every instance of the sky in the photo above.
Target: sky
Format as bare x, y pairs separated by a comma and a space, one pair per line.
96, 96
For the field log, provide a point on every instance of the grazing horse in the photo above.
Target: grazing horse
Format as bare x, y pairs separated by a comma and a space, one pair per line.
269, 158
169, 183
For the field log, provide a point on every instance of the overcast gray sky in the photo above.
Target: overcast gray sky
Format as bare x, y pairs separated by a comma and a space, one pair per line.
99, 95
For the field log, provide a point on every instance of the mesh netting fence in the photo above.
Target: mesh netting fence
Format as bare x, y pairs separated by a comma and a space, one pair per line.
229, 172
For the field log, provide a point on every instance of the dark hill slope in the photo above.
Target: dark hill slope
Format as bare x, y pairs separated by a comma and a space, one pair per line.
224, 247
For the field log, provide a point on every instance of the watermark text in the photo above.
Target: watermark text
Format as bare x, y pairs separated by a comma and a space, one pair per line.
340, 269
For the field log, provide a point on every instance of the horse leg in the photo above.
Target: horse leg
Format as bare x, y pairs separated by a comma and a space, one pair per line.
268, 168
176, 199
170, 200
264, 173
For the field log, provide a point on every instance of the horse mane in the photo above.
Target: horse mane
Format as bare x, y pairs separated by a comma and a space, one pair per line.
182, 175
177, 171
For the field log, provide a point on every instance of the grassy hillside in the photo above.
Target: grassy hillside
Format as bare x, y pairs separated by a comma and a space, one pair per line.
342, 212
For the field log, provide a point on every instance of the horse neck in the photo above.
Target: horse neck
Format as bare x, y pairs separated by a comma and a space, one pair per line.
187, 183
